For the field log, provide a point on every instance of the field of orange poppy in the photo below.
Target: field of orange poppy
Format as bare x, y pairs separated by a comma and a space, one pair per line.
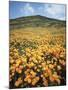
37, 57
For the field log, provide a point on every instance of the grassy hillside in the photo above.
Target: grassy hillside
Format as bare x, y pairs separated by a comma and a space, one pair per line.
37, 56
35, 21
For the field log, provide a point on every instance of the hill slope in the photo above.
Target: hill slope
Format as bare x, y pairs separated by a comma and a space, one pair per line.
35, 21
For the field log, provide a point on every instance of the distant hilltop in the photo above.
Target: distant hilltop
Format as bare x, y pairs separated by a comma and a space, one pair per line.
35, 21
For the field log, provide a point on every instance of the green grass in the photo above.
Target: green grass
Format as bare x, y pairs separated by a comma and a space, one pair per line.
35, 21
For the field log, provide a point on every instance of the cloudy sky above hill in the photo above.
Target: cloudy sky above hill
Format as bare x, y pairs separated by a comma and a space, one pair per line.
19, 9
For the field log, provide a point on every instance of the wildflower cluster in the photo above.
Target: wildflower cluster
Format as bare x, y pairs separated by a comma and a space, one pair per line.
37, 58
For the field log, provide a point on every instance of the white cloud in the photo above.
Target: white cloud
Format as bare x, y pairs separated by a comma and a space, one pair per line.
49, 10
56, 11
27, 10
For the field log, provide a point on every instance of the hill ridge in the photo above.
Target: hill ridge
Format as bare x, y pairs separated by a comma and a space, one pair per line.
36, 16
35, 21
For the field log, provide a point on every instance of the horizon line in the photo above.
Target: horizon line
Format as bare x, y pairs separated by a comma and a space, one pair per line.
34, 15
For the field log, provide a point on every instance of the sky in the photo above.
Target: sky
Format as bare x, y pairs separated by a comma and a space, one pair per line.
20, 9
